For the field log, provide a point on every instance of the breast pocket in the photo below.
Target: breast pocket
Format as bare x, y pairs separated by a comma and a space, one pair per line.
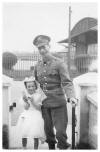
39, 73
53, 72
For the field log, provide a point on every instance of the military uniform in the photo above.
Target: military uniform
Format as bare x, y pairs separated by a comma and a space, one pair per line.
55, 81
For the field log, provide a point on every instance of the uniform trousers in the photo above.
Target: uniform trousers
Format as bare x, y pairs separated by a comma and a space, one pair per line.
56, 117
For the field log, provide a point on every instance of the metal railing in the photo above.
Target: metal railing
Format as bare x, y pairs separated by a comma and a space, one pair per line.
80, 64
25, 65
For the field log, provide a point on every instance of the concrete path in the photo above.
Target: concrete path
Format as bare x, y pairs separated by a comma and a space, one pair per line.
15, 139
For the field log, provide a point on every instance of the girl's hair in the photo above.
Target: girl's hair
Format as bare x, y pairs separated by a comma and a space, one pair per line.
25, 83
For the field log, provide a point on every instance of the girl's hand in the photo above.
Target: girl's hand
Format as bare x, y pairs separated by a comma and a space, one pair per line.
25, 98
31, 99
26, 106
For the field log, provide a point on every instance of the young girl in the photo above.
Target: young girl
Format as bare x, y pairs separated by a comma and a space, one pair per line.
30, 122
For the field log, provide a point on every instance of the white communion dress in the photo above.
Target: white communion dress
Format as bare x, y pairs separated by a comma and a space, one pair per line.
30, 123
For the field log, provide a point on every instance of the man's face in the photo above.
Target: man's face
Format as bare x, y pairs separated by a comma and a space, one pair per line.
43, 50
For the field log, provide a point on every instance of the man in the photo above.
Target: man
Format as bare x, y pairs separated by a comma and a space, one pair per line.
52, 74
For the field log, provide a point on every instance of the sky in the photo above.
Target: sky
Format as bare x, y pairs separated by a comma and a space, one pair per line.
23, 21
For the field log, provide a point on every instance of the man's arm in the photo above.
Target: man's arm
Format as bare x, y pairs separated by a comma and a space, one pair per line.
65, 80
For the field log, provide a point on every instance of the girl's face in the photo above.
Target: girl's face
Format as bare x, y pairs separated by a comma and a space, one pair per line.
31, 87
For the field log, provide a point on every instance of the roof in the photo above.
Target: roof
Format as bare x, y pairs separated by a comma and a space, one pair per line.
84, 25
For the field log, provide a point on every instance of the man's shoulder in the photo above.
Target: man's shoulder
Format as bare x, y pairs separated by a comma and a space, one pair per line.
39, 62
59, 61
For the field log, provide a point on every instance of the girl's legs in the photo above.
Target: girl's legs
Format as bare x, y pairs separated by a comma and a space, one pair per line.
36, 143
24, 142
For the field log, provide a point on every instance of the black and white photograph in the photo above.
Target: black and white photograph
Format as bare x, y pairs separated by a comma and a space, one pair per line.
49, 75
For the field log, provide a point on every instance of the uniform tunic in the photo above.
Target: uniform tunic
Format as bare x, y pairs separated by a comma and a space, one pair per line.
55, 81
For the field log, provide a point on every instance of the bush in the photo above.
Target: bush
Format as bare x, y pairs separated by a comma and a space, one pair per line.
9, 60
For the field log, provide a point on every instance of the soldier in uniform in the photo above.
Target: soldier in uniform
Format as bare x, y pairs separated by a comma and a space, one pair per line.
53, 76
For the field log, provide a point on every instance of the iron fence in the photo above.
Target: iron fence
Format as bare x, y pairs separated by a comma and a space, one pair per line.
25, 65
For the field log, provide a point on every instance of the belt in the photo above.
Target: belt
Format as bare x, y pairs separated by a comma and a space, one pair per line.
45, 87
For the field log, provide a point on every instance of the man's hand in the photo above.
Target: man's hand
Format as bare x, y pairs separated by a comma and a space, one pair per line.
73, 101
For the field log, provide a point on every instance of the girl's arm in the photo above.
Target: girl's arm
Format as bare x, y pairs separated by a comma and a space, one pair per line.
26, 106
25, 99
26, 103
37, 106
23, 103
